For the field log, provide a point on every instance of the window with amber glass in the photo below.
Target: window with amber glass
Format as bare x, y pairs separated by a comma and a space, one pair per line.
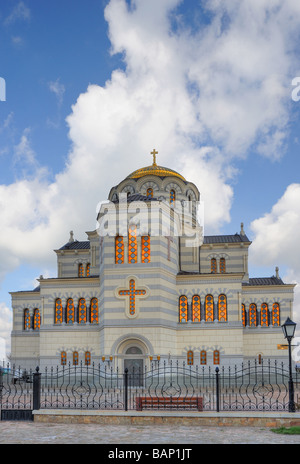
82, 311
183, 307
119, 249
222, 266
243, 315
80, 270
264, 315
196, 308
88, 270
70, 311
132, 244
213, 265
63, 358
275, 314
94, 311
58, 311
216, 357
75, 358
222, 308
36, 319
146, 249
150, 192
203, 357
209, 308
172, 196
252, 315
190, 358
87, 358
26, 319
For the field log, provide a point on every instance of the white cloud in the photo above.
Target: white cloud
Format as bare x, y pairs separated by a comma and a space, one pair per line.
276, 240
58, 89
19, 12
5, 329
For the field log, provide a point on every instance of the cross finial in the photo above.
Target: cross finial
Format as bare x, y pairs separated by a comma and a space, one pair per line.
154, 153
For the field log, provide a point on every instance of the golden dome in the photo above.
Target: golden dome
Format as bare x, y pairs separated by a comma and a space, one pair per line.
154, 170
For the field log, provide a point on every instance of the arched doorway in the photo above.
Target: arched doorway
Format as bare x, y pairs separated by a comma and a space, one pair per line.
134, 363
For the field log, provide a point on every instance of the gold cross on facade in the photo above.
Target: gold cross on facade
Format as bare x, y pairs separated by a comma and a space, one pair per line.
132, 293
154, 153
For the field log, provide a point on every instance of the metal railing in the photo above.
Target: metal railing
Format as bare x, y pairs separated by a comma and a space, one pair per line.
166, 385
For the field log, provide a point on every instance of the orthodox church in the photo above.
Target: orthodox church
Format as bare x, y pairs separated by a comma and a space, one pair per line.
147, 286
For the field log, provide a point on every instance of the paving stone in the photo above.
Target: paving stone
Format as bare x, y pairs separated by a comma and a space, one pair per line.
40, 433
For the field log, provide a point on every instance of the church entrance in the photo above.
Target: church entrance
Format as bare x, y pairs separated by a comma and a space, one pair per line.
133, 361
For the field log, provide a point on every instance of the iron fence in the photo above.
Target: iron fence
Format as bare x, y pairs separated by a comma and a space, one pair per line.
166, 385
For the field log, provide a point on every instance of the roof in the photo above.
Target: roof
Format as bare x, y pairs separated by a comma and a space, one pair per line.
76, 245
237, 238
264, 281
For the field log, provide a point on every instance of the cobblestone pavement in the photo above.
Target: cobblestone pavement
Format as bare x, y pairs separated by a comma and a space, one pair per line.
40, 433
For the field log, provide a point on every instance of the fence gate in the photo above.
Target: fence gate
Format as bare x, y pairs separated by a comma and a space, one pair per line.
18, 388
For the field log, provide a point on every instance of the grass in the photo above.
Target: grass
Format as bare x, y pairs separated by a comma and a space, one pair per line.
295, 430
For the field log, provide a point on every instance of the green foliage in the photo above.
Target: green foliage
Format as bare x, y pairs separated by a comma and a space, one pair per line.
295, 430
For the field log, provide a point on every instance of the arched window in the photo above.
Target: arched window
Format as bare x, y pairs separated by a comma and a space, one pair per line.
264, 315
80, 270
243, 315
183, 307
87, 358
70, 311
190, 358
209, 308
82, 311
216, 357
150, 192
63, 358
275, 314
222, 266
94, 311
172, 197
75, 358
222, 308
119, 249
252, 315
58, 312
132, 244
36, 319
146, 249
213, 265
203, 357
196, 308
88, 270
26, 319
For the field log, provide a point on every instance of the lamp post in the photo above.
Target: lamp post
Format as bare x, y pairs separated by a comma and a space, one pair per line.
288, 331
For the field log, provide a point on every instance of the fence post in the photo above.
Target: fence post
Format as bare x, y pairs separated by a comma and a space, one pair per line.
36, 389
126, 389
217, 390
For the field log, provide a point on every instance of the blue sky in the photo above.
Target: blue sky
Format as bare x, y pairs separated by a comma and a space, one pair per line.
93, 86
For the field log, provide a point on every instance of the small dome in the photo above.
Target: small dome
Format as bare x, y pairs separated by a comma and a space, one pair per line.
154, 170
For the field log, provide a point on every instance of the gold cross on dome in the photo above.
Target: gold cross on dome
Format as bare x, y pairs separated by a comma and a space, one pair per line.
154, 153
